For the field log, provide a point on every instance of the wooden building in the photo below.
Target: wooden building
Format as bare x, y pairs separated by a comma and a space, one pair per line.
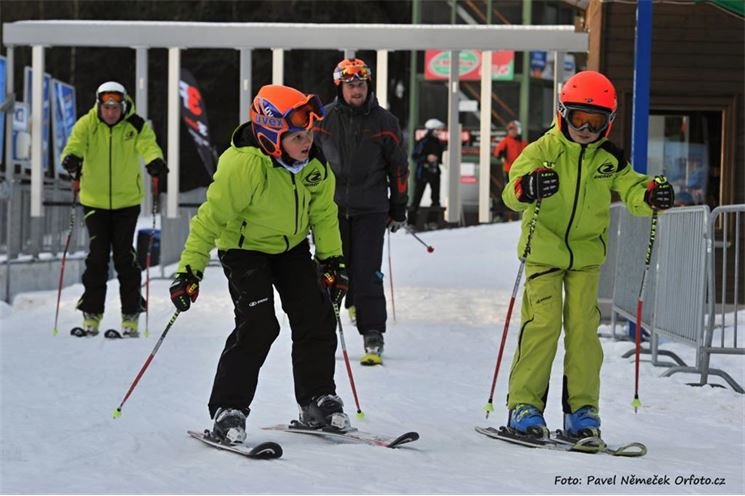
697, 96
697, 92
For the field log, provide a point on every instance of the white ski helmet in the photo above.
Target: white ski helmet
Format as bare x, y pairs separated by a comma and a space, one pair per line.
433, 124
112, 91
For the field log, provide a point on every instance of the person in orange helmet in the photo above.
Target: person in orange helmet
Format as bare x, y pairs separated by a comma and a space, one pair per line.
272, 189
564, 182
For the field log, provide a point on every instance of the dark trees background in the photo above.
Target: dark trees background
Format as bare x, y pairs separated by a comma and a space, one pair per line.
216, 71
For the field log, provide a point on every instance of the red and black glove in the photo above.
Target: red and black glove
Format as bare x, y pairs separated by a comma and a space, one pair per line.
659, 194
185, 289
541, 183
334, 277
157, 168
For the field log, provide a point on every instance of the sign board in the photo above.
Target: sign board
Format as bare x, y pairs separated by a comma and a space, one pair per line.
64, 116
542, 65
437, 65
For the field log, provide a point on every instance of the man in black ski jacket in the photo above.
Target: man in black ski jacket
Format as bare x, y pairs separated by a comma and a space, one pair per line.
362, 141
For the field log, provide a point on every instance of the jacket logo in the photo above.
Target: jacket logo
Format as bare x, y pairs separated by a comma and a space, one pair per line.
605, 171
313, 178
129, 135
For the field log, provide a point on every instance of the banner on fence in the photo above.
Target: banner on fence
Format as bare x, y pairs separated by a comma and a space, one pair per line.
64, 116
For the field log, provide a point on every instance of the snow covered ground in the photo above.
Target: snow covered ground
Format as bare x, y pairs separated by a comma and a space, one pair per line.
58, 393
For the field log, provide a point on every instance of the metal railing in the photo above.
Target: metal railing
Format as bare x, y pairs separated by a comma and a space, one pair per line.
682, 287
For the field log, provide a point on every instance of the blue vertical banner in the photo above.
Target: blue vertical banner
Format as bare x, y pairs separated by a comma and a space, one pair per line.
63, 118
3, 77
46, 118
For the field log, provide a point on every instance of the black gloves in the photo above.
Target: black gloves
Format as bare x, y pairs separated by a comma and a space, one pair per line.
659, 194
396, 217
541, 183
156, 167
72, 164
334, 276
185, 289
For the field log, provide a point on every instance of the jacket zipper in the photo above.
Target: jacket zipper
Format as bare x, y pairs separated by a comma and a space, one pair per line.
574, 207
111, 199
243, 237
297, 206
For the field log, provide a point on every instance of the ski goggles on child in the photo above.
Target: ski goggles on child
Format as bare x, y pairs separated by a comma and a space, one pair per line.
350, 73
303, 115
594, 120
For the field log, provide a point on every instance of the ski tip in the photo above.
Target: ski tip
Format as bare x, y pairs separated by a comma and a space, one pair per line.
117, 413
267, 451
112, 334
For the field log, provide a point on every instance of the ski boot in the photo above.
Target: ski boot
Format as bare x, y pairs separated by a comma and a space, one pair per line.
325, 412
91, 322
527, 420
230, 425
373, 348
130, 323
584, 422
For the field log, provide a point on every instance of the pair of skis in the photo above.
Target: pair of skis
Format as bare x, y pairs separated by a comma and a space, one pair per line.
271, 450
559, 441
79, 332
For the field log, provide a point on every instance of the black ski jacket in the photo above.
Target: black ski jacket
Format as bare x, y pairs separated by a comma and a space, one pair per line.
365, 149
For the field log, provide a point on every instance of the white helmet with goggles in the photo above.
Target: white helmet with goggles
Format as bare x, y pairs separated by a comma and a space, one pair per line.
112, 93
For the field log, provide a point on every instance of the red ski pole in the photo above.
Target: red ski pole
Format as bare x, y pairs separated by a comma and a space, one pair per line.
489, 407
75, 190
329, 281
390, 276
430, 248
636, 403
118, 411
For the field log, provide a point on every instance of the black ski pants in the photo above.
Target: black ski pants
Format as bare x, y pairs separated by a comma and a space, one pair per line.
251, 278
362, 242
425, 177
111, 231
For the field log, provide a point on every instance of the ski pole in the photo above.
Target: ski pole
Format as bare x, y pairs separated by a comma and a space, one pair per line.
118, 411
154, 211
640, 305
329, 281
489, 407
430, 248
390, 276
73, 207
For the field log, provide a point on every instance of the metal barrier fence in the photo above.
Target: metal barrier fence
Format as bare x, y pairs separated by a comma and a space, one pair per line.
25, 241
682, 274
727, 223
608, 269
21, 236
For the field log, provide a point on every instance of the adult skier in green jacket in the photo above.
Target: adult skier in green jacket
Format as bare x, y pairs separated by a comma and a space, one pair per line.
571, 172
104, 150
271, 189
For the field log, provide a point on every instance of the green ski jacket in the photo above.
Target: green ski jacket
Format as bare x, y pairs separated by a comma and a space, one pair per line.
256, 204
571, 229
111, 177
